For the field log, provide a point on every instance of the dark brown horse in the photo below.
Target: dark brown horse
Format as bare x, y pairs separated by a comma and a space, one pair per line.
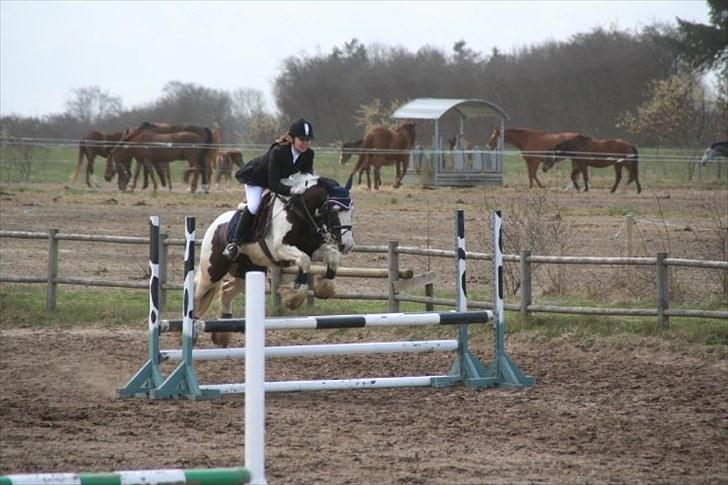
591, 152
385, 146
92, 144
153, 148
534, 146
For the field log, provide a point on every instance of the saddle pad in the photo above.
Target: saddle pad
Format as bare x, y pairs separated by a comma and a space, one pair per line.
261, 222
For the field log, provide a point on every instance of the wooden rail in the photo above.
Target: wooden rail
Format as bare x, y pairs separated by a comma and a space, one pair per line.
395, 276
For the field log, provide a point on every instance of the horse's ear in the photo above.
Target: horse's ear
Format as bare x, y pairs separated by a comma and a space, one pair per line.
349, 182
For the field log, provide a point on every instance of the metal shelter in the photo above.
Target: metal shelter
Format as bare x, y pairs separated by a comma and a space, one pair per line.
477, 166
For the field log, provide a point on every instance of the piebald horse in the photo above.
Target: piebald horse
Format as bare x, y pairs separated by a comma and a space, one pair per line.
534, 146
592, 152
313, 224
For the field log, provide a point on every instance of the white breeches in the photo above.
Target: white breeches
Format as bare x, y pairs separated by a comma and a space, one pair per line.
253, 194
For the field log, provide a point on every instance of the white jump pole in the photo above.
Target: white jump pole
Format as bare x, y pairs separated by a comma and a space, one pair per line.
255, 376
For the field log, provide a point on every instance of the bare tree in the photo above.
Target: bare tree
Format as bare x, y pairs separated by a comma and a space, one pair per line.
90, 105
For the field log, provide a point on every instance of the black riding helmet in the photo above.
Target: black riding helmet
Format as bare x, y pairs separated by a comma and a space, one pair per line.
301, 129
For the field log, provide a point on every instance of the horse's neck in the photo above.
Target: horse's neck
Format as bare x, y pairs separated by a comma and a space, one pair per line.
517, 138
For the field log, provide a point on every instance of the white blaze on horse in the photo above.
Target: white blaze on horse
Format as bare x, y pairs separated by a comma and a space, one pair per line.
314, 224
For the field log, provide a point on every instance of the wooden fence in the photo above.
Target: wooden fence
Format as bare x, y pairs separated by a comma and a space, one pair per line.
399, 280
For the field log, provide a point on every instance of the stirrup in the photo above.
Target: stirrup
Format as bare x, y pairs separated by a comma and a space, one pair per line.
230, 251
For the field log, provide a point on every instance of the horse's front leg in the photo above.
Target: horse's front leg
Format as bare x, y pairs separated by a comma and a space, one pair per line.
574, 175
324, 287
294, 295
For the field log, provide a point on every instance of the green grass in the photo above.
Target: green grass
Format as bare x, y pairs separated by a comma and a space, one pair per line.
24, 306
659, 168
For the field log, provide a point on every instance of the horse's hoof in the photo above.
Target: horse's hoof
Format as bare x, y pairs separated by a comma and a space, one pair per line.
293, 297
221, 339
323, 287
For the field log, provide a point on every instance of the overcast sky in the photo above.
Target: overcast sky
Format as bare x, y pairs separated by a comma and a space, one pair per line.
132, 49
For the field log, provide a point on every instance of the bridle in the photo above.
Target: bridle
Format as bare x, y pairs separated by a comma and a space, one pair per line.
325, 219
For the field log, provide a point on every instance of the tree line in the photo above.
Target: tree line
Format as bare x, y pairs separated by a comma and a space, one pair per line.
645, 86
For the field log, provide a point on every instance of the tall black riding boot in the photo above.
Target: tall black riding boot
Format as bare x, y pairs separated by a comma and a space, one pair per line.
243, 233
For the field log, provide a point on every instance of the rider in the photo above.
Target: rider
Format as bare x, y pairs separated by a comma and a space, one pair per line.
287, 156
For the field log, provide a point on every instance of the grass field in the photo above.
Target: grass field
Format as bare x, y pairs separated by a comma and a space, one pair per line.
659, 168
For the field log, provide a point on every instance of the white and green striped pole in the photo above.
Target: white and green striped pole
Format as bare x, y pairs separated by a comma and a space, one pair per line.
210, 476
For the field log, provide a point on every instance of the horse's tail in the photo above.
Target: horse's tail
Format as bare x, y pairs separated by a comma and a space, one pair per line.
633, 166
79, 161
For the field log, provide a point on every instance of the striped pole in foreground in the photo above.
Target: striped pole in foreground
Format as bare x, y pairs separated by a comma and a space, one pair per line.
211, 476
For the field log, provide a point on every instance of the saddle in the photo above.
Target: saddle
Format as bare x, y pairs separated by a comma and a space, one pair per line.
261, 222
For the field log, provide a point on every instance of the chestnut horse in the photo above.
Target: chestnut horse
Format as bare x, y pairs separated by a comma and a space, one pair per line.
223, 165
92, 144
351, 148
591, 152
195, 169
534, 146
153, 148
395, 145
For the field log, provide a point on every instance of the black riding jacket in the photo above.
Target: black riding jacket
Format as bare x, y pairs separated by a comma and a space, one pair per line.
268, 169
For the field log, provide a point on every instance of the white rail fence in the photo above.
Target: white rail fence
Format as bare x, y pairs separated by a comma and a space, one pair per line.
399, 280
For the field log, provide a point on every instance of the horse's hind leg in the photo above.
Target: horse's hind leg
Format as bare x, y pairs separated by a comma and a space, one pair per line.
230, 289
574, 175
617, 175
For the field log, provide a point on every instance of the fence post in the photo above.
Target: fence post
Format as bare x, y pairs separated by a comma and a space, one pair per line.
163, 258
393, 275
52, 270
663, 291
525, 283
430, 293
628, 224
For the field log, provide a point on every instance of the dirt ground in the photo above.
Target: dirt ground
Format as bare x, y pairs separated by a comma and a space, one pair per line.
609, 413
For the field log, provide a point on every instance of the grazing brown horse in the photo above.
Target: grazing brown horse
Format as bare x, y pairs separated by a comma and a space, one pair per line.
223, 165
395, 145
212, 139
151, 148
92, 144
534, 146
591, 152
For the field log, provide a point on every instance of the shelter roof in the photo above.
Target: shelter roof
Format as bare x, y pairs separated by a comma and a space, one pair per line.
434, 108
